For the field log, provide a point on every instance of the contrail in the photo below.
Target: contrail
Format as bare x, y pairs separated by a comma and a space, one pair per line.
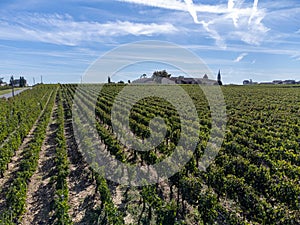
232, 10
254, 11
214, 34
192, 10
230, 4
234, 15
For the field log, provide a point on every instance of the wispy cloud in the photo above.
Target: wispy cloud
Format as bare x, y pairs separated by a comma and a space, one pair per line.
296, 57
215, 35
246, 19
63, 29
285, 52
240, 57
180, 5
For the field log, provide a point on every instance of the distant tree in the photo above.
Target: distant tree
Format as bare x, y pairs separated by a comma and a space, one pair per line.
129, 81
108, 80
12, 85
159, 75
121, 82
205, 76
219, 78
143, 76
162, 73
22, 82
11, 81
1, 80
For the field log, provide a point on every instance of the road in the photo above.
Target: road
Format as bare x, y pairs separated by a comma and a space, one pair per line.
8, 95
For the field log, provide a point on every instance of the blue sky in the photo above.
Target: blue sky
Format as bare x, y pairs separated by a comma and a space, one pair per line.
60, 39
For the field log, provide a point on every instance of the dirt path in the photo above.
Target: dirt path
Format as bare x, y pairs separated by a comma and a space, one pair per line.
12, 169
40, 191
13, 166
82, 198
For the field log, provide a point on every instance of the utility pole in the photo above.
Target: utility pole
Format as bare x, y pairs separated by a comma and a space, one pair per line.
41, 79
33, 81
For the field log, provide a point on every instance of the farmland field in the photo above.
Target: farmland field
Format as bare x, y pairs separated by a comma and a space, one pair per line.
46, 179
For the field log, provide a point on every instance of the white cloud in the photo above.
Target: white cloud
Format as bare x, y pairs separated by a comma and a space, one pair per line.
62, 29
296, 56
240, 57
167, 4
179, 5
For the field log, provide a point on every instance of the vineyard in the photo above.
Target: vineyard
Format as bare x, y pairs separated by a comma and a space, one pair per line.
45, 178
